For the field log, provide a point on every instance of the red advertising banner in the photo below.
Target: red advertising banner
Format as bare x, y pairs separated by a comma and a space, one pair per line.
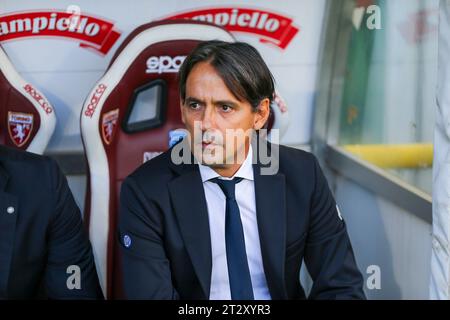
271, 27
92, 32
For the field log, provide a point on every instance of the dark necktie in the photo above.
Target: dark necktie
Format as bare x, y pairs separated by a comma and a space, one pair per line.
238, 271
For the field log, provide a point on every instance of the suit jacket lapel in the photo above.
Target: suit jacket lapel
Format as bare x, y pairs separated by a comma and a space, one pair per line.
7, 230
191, 210
189, 202
271, 213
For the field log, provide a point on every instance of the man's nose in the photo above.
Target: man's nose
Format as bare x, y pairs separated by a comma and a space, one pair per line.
208, 118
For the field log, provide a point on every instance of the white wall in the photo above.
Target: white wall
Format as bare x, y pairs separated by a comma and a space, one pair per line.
385, 235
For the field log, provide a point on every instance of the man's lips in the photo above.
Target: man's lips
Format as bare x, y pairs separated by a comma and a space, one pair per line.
206, 144
209, 144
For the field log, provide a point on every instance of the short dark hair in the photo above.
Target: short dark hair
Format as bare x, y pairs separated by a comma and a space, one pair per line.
240, 66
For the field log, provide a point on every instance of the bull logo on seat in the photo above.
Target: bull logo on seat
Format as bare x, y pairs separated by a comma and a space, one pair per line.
109, 124
20, 126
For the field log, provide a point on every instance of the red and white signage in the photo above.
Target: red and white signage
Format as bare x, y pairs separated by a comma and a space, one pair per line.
271, 27
92, 32
98, 93
39, 98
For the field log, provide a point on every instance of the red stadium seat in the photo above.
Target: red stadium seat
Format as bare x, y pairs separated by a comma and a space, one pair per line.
27, 119
127, 118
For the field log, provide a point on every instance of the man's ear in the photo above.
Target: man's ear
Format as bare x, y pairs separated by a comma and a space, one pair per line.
181, 111
262, 114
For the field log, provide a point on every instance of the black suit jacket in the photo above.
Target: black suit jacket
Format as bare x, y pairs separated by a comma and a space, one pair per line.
165, 239
44, 235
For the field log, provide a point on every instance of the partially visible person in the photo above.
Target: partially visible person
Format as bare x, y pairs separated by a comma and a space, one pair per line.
44, 249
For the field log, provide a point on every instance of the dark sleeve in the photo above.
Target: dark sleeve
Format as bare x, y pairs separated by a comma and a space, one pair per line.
70, 271
145, 267
328, 253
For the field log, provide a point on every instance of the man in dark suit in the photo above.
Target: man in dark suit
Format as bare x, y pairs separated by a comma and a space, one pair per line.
44, 250
215, 225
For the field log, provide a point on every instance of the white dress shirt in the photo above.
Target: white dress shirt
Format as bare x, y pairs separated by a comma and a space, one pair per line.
216, 201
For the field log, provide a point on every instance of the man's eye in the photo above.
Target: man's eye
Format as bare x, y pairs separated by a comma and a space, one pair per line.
226, 108
194, 105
